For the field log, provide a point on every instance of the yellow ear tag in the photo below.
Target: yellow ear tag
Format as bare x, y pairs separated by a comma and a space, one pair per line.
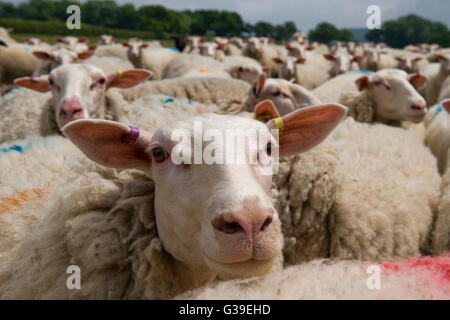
279, 123
264, 117
120, 74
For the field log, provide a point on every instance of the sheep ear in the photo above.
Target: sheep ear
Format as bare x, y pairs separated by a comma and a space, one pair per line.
301, 60
127, 79
59, 40
446, 105
92, 47
277, 60
417, 79
329, 57
85, 55
358, 58
83, 40
145, 45
39, 84
266, 110
110, 143
125, 44
417, 59
362, 82
259, 84
42, 55
399, 59
305, 128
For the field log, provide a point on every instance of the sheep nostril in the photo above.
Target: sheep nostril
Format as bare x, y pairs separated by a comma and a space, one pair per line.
417, 107
266, 223
220, 224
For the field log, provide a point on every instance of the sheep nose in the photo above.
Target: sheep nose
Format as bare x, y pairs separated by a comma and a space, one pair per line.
419, 107
250, 225
70, 110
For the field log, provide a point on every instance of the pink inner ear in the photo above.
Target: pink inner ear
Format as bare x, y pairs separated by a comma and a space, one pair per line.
40, 85
41, 55
85, 55
128, 78
446, 105
329, 57
362, 83
266, 107
417, 80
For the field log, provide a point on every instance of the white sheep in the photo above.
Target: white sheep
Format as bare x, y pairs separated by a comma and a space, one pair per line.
77, 91
387, 96
368, 214
436, 74
57, 57
106, 39
123, 212
16, 61
286, 95
438, 132
4, 35
112, 50
153, 59
191, 65
239, 67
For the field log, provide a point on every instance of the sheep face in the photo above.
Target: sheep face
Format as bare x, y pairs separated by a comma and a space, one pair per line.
78, 89
106, 40
135, 47
208, 49
341, 63
211, 216
286, 96
62, 56
394, 96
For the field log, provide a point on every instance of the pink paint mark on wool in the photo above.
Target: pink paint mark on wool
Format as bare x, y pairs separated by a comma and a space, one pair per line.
438, 268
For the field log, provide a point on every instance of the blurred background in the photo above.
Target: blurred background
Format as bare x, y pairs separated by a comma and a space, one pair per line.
403, 21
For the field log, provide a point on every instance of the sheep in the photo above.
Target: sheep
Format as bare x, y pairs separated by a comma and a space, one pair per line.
437, 133
4, 35
325, 279
112, 50
73, 43
376, 59
435, 79
155, 59
77, 91
54, 58
192, 44
308, 72
109, 64
342, 63
266, 54
387, 96
145, 256
190, 65
105, 40
15, 62
228, 94
368, 214
286, 95
441, 235
411, 63
244, 68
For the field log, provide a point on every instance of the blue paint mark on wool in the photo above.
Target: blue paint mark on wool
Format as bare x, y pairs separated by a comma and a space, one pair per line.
15, 147
363, 72
169, 100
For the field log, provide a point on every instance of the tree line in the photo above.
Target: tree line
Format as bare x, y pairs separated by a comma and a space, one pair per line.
157, 19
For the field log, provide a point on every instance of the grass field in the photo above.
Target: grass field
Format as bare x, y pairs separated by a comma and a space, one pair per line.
20, 37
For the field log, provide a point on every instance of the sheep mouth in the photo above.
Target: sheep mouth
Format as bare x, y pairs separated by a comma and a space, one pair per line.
416, 118
250, 262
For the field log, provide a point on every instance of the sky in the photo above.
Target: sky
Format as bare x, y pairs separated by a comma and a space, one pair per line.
308, 13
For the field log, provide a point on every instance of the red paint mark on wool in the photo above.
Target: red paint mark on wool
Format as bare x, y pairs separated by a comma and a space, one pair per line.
437, 267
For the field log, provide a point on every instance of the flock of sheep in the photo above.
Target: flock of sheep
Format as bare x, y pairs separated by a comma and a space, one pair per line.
86, 177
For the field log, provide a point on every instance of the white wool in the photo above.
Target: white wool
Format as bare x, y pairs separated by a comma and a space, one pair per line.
441, 235
438, 135
109, 65
16, 61
112, 50
328, 279
192, 65
228, 94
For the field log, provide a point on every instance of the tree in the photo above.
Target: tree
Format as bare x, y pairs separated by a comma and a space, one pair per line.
324, 32
410, 29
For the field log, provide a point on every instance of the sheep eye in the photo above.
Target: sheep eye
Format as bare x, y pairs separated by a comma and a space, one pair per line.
102, 81
51, 82
159, 155
276, 93
269, 149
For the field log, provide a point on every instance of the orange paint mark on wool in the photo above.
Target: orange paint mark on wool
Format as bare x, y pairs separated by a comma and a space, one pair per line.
201, 70
22, 199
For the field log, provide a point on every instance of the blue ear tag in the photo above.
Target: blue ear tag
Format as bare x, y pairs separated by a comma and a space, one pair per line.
439, 108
